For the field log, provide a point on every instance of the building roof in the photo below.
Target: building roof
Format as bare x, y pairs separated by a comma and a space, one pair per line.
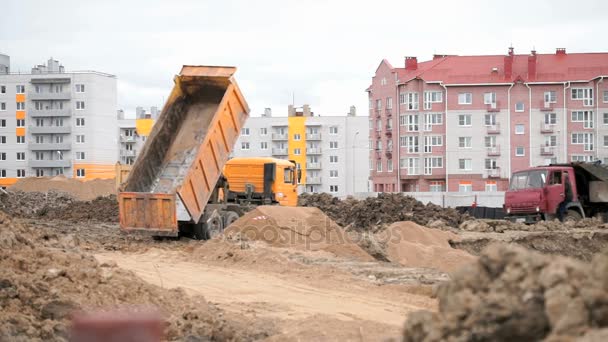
556, 67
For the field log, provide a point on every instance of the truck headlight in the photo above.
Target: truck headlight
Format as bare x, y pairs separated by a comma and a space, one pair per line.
508, 210
537, 209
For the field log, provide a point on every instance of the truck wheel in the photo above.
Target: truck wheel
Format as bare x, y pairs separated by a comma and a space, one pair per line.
199, 232
215, 227
572, 215
229, 218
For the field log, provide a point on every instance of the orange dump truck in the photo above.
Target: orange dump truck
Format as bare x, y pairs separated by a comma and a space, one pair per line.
181, 180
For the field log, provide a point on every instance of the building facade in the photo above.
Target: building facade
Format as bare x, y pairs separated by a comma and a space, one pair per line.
55, 122
331, 151
132, 133
465, 123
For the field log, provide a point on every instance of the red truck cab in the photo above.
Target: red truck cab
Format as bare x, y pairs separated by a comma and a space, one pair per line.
536, 194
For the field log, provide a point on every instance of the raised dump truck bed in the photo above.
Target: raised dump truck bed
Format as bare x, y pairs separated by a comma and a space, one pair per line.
179, 166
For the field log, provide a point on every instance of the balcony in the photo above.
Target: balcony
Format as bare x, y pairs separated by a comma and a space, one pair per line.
66, 95
389, 131
313, 180
378, 112
127, 139
378, 153
49, 113
493, 129
493, 107
279, 152
493, 151
313, 166
279, 136
546, 106
49, 147
547, 150
546, 128
50, 129
127, 153
313, 150
388, 112
313, 136
50, 163
389, 154
493, 173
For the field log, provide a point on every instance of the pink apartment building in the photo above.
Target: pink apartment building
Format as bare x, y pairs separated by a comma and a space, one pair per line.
465, 123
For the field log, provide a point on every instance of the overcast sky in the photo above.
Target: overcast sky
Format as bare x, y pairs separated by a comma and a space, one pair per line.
321, 52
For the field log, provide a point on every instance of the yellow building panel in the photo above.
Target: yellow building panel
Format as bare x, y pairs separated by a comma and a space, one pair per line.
20, 98
20, 131
6, 182
297, 125
20, 114
144, 126
95, 171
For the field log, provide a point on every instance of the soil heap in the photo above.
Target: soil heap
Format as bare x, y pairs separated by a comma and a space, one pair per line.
513, 294
373, 213
412, 245
80, 190
306, 228
43, 283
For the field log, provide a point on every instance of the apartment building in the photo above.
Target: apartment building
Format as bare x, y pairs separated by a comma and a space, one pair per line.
331, 151
132, 133
55, 122
465, 123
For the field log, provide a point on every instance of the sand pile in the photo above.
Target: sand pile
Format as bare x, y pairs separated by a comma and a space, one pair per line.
412, 245
513, 294
41, 286
374, 213
306, 228
81, 190
499, 226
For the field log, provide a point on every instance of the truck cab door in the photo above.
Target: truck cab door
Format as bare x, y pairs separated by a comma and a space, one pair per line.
554, 191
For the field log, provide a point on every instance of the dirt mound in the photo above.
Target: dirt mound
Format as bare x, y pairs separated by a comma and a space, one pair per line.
306, 228
374, 212
512, 294
81, 190
59, 206
40, 287
412, 245
499, 226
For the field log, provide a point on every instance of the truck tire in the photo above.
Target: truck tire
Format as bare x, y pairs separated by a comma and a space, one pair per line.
214, 227
572, 215
229, 218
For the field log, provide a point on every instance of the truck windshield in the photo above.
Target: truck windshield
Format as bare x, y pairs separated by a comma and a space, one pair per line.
528, 180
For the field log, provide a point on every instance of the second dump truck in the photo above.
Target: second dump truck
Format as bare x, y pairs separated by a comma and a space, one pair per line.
183, 180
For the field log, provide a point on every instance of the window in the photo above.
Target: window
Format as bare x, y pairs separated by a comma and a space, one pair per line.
465, 186
432, 119
2, 89
379, 145
2, 156
605, 96
491, 186
431, 163
464, 142
20, 105
491, 164
129, 147
333, 173
551, 140
379, 166
39, 173
333, 130
20, 173
333, 144
412, 144
20, 156
583, 94
264, 145
39, 122
297, 151
490, 141
411, 101
413, 166
2, 139
520, 129
378, 104
244, 146
550, 118
21, 139
80, 173
389, 165
333, 159
436, 186
582, 158
432, 140
605, 140
490, 119
2, 173
465, 164
519, 107
79, 105
3, 123
489, 98
585, 139
297, 137
39, 105
80, 88
520, 151
412, 123
333, 188
584, 116
263, 131
550, 97
431, 97
80, 156
20, 89
389, 103
2, 106
79, 122
605, 119
80, 138
39, 155
464, 120
465, 98
245, 131
20, 122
